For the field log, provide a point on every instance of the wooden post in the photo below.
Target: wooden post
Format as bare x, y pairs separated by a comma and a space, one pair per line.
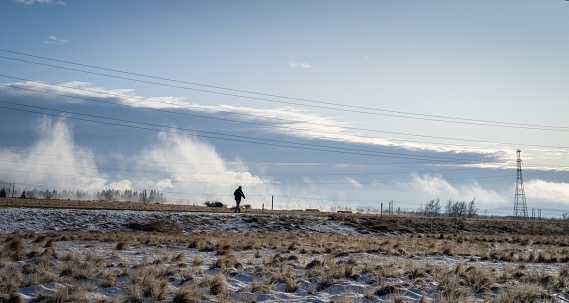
381, 212
263, 209
272, 202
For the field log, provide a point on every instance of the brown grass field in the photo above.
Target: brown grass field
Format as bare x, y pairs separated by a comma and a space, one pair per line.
444, 259
366, 223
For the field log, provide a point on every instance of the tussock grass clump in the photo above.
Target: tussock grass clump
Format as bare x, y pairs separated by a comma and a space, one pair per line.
331, 271
228, 262
389, 270
521, 293
179, 257
134, 294
121, 246
14, 248
71, 257
197, 261
479, 279
223, 248
214, 285
10, 278
264, 286
155, 288
189, 294
77, 270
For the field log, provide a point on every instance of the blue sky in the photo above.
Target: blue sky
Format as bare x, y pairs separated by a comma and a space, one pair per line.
320, 103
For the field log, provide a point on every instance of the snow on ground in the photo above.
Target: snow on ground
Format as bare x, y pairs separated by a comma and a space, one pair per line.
42, 220
239, 282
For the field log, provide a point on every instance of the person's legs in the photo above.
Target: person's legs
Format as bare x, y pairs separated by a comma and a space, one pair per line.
237, 210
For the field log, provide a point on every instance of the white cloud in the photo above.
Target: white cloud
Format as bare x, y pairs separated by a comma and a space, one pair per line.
437, 187
55, 40
295, 64
434, 185
192, 167
122, 185
166, 183
542, 190
33, 166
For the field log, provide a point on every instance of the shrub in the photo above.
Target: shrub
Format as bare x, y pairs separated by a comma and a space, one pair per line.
214, 204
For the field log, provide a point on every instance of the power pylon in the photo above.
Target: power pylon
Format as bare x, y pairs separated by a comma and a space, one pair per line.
520, 207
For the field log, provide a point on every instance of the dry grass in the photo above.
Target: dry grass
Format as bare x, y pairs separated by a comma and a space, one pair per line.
521, 293
265, 286
295, 260
14, 247
214, 285
369, 223
189, 294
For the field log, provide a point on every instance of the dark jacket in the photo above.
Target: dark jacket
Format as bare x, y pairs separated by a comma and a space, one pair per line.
238, 194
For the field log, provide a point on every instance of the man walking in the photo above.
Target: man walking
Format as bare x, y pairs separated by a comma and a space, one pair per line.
238, 193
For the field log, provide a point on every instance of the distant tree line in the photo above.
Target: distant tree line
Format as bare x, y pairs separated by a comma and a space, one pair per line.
104, 195
452, 209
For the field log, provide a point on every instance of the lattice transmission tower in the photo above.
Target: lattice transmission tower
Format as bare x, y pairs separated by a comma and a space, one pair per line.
520, 207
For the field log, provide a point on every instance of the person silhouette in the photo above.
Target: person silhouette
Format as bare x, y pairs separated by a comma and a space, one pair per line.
238, 193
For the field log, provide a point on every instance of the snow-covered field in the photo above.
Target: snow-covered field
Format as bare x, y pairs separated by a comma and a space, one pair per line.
137, 256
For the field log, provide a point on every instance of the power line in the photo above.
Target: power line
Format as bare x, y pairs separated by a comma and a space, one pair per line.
251, 183
215, 164
358, 109
255, 116
280, 143
337, 165
230, 174
217, 118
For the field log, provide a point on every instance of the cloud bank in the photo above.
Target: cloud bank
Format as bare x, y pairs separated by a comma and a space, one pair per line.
541, 190
285, 121
436, 186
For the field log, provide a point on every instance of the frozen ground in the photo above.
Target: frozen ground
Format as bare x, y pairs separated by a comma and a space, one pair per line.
241, 278
42, 220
